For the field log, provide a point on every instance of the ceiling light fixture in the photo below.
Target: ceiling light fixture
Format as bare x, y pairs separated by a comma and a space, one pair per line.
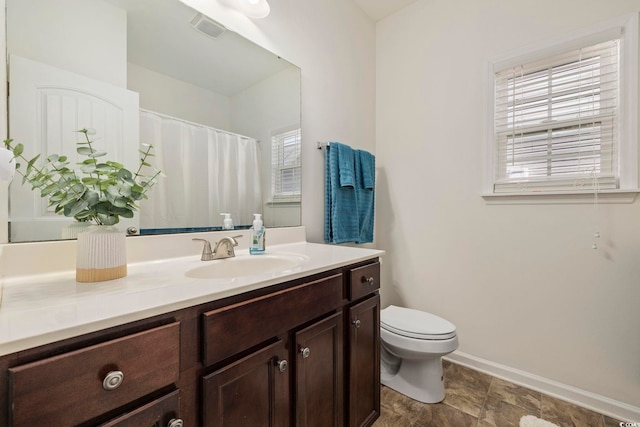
254, 8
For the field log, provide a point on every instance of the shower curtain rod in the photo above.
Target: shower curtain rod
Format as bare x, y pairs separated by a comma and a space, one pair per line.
166, 116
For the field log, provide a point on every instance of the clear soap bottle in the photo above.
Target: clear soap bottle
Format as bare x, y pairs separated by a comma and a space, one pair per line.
257, 236
227, 224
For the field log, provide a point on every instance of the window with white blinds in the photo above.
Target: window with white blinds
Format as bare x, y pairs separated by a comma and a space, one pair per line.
285, 166
562, 120
556, 121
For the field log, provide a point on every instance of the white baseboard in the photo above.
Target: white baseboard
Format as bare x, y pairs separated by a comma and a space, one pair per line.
595, 402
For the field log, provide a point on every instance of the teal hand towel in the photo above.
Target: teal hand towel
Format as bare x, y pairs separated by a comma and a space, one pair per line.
368, 169
346, 164
365, 194
341, 218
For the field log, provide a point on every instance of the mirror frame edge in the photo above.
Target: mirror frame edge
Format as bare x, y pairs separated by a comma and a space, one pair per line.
4, 186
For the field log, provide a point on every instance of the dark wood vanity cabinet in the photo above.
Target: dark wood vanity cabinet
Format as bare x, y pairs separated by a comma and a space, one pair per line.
303, 353
296, 369
363, 346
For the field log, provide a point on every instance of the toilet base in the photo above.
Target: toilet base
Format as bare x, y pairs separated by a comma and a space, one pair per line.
421, 380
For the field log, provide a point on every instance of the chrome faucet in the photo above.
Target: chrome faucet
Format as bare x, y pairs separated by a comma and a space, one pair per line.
223, 249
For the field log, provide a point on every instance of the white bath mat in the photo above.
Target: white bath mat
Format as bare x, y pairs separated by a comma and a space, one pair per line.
531, 421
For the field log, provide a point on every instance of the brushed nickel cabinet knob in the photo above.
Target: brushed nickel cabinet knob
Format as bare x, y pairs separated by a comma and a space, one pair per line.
113, 380
282, 365
305, 352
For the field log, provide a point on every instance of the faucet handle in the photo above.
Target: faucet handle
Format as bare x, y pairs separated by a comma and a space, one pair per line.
233, 239
207, 253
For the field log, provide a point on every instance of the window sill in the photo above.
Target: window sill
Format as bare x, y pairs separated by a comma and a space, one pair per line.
560, 198
284, 202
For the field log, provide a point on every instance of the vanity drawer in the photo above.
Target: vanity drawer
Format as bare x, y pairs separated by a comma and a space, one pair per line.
69, 389
160, 412
232, 329
364, 280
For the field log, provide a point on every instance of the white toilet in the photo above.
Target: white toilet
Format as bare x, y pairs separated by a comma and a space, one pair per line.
413, 343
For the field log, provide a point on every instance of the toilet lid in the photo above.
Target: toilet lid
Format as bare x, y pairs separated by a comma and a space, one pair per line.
416, 324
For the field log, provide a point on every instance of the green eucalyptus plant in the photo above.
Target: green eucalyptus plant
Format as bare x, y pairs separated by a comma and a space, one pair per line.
100, 192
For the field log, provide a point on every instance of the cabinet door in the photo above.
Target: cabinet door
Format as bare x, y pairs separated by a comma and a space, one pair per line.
319, 369
251, 392
364, 362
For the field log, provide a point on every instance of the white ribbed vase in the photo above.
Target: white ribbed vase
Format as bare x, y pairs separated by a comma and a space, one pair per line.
72, 230
101, 254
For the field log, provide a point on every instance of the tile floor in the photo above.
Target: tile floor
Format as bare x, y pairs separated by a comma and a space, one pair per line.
475, 399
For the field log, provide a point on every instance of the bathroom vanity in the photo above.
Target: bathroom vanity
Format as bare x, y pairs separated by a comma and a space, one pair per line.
296, 348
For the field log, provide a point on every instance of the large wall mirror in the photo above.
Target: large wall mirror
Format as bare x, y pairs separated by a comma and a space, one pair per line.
222, 113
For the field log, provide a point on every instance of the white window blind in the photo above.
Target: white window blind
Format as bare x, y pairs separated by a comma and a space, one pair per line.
556, 122
285, 166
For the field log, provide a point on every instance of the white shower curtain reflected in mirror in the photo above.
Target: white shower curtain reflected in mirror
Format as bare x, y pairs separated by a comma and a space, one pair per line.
208, 172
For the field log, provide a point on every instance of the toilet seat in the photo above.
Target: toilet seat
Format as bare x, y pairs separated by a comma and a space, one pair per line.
416, 324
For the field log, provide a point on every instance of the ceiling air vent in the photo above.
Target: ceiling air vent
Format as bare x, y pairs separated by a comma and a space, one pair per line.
207, 26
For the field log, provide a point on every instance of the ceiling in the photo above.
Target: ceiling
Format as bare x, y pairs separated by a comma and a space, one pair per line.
158, 30
150, 45
379, 9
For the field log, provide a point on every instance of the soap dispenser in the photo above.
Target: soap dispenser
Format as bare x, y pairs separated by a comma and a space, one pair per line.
257, 236
227, 224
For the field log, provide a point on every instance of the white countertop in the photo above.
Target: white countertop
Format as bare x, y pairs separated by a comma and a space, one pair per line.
37, 310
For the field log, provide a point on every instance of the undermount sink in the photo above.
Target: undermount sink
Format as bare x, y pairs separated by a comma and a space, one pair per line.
246, 265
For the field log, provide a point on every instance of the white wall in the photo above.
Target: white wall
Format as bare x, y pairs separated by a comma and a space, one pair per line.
58, 33
178, 98
262, 110
521, 282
